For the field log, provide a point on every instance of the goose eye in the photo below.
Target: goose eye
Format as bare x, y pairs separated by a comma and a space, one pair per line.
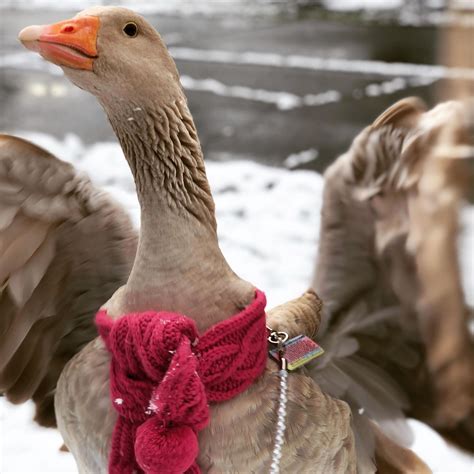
131, 29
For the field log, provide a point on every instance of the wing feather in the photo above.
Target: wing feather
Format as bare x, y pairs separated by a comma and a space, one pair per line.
24, 240
7, 214
25, 279
52, 279
368, 244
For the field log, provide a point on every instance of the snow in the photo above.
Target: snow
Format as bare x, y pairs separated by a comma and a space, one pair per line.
351, 5
463, 4
203, 6
409, 12
423, 72
224, 6
466, 253
282, 100
25, 61
406, 76
296, 159
182, 7
316, 63
27, 448
268, 227
432, 448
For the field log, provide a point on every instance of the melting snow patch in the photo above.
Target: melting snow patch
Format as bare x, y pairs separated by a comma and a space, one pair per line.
463, 5
322, 64
432, 11
182, 7
29, 62
386, 87
466, 252
322, 98
300, 158
282, 100
352, 5
397, 84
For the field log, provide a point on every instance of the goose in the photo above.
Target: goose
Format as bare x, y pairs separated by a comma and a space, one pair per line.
179, 268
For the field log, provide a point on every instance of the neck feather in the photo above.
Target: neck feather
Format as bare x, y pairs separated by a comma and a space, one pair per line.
164, 154
179, 265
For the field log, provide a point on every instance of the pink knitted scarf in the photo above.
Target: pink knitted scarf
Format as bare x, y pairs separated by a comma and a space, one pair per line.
163, 375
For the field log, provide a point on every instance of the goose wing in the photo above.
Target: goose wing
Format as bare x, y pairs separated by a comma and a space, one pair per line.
341, 373
387, 266
65, 247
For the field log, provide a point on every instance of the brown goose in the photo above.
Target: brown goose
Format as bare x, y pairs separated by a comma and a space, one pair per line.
52, 284
179, 266
388, 250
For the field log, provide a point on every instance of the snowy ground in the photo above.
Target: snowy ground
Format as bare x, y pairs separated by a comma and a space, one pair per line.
206, 6
268, 223
406, 11
203, 6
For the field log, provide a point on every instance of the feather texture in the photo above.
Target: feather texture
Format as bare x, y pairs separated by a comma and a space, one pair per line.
53, 279
374, 279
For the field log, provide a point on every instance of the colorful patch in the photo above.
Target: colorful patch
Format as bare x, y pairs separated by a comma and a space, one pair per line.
298, 351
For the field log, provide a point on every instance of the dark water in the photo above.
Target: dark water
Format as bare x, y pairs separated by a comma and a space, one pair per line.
230, 126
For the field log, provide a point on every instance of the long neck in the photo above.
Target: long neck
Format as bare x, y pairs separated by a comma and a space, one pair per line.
179, 266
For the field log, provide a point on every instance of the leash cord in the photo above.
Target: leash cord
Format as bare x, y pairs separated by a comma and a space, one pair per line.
280, 338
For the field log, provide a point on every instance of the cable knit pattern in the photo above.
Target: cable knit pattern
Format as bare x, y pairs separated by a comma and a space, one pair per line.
162, 376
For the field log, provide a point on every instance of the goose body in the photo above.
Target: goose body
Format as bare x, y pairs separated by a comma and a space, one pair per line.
240, 435
179, 267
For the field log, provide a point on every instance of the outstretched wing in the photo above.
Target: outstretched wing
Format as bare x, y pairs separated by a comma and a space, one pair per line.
65, 247
345, 375
389, 219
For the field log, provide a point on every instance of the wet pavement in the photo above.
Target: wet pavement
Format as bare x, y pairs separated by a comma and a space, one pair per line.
235, 112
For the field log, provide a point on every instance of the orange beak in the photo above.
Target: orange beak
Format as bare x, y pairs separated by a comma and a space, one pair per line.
71, 43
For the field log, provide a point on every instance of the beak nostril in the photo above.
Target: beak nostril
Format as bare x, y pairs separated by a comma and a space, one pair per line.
70, 43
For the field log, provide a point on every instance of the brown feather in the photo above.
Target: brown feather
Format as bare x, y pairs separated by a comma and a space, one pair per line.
403, 113
388, 239
23, 281
55, 280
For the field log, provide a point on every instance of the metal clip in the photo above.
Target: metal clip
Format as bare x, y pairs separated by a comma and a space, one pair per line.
277, 337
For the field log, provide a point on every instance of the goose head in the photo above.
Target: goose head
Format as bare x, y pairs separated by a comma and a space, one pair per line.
108, 51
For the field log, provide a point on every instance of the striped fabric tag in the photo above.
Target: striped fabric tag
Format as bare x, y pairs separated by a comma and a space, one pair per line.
298, 351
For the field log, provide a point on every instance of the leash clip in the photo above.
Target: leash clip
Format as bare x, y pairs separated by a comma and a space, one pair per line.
277, 337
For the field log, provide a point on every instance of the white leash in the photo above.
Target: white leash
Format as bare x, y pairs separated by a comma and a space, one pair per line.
290, 354
279, 338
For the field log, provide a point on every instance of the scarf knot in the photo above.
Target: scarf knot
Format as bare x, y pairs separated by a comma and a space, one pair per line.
163, 376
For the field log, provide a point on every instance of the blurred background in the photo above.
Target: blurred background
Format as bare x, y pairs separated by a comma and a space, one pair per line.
285, 83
